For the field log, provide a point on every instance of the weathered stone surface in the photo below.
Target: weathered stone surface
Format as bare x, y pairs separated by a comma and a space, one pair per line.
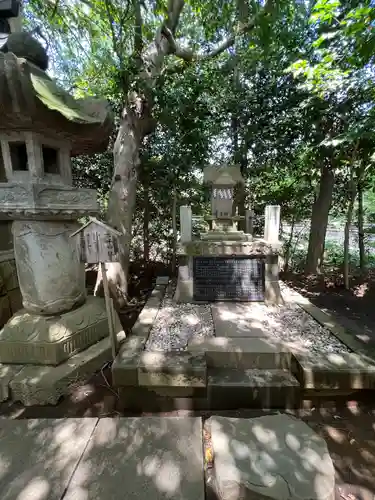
49, 340
162, 280
51, 277
276, 456
40, 456
338, 371
7, 373
43, 201
148, 314
234, 319
125, 365
44, 385
232, 389
172, 369
253, 247
141, 458
244, 353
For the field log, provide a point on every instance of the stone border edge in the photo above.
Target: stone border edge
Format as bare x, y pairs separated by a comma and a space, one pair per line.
328, 321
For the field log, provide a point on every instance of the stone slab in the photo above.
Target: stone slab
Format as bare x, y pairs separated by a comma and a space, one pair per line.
49, 340
38, 457
7, 373
244, 353
233, 389
338, 371
162, 280
141, 458
149, 312
125, 365
232, 319
172, 369
274, 456
44, 385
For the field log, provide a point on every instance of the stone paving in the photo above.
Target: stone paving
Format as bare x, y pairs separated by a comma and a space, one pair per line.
161, 457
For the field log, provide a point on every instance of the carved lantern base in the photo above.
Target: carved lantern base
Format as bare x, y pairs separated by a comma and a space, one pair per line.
49, 340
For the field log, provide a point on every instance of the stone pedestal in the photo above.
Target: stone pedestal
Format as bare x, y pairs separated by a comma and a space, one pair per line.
50, 340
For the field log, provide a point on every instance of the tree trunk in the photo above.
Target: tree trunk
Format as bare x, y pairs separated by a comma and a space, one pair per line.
319, 221
289, 246
121, 204
361, 233
146, 226
349, 215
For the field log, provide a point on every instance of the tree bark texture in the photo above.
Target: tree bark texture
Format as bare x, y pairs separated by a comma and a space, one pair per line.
361, 232
319, 221
349, 216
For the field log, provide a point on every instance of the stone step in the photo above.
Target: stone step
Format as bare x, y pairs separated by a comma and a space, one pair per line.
334, 371
232, 389
243, 353
135, 367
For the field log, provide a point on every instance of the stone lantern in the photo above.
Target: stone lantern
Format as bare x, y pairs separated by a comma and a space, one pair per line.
41, 128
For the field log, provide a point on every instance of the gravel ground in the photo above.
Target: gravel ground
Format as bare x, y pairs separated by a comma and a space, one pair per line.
177, 324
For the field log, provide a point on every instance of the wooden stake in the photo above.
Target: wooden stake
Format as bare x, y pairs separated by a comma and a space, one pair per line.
108, 306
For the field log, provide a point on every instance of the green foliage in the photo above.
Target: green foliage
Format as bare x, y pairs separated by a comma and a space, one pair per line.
291, 94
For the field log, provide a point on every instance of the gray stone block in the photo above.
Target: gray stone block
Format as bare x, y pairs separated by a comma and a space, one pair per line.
125, 366
172, 369
232, 389
242, 353
7, 373
49, 340
44, 385
149, 312
274, 456
162, 280
339, 371
39, 457
141, 458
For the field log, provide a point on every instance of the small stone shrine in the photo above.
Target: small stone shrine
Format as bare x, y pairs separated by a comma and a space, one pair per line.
41, 127
225, 263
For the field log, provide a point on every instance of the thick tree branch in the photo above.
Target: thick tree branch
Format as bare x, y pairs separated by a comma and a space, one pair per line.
174, 11
189, 55
138, 42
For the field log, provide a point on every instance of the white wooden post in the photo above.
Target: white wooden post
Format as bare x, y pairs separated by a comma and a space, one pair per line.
272, 223
249, 221
109, 307
185, 223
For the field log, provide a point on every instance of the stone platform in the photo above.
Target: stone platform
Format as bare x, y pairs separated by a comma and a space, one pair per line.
67, 338
244, 365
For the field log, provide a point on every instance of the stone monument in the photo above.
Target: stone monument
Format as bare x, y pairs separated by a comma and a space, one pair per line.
225, 263
41, 127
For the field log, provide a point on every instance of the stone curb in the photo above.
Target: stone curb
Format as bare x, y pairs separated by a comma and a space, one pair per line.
130, 352
329, 322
